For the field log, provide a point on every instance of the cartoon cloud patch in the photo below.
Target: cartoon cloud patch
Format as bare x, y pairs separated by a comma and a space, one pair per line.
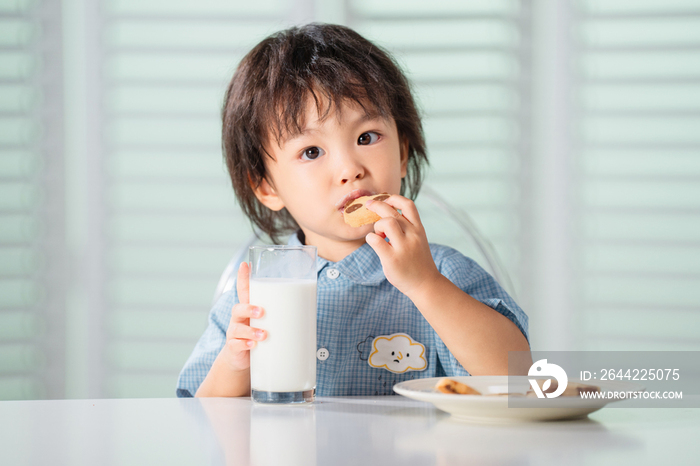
397, 353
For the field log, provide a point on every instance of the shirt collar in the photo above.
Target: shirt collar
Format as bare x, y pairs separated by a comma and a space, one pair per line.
362, 266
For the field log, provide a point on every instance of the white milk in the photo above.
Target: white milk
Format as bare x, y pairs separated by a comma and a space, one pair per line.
286, 360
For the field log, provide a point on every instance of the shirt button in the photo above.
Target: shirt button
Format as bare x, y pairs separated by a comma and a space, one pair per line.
332, 273
322, 354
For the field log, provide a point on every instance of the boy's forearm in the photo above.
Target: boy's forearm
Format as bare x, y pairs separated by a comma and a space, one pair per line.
477, 335
223, 381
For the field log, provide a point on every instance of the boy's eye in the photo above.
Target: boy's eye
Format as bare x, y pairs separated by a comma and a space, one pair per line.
312, 153
367, 138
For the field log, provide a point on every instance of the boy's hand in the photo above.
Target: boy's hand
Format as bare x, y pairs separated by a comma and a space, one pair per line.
240, 337
406, 259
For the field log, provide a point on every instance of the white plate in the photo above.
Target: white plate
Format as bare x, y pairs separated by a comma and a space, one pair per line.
495, 408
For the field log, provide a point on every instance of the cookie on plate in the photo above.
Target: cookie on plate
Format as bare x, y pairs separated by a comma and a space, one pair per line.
455, 388
356, 214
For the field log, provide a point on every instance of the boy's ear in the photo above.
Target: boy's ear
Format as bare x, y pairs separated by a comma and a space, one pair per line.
267, 195
404, 157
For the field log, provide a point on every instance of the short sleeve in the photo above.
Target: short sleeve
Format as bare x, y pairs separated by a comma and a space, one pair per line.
471, 278
208, 347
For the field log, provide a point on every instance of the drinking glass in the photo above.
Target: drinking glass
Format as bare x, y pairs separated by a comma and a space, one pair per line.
283, 283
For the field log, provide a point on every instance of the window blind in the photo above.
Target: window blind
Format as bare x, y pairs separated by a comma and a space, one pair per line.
636, 151
31, 209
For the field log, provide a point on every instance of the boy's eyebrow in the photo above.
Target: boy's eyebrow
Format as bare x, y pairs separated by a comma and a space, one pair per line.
363, 119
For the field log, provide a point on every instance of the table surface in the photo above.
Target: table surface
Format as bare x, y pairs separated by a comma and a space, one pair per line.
332, 431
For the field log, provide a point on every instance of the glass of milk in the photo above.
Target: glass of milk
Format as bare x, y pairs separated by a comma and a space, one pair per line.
283, 282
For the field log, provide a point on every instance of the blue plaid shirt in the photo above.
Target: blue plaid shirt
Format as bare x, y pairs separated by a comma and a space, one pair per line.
356, 304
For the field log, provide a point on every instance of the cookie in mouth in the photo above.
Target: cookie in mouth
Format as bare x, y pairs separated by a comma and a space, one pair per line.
356, 214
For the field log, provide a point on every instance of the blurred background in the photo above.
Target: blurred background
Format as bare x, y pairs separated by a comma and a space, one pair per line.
568, 130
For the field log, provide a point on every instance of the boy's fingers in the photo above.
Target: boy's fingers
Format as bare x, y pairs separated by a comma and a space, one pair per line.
388, 227
242, 283
376, 242
240, 346
242, 312
406, 206
241, 331
383, 209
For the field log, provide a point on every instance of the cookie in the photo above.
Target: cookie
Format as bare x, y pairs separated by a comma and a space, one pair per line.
455, 388
356, 214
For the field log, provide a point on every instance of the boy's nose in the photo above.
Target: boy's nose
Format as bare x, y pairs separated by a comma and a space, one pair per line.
349, 177
350, 169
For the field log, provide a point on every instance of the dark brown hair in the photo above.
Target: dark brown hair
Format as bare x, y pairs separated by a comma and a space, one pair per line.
266, 100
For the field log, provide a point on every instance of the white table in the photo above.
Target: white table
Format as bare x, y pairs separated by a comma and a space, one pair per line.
333, 431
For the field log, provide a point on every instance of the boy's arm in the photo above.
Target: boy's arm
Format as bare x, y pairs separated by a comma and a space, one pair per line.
477, 335
229, 375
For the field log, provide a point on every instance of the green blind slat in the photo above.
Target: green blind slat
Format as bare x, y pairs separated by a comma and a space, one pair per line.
187, 9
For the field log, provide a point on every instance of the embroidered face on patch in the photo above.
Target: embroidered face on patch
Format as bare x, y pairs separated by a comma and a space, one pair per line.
397, 353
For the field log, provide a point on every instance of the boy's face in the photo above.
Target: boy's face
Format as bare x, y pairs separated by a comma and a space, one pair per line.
315, 174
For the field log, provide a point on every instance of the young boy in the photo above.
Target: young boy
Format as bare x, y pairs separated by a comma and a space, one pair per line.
314, 118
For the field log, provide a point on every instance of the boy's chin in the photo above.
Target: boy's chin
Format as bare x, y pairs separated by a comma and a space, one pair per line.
349, 234
359, 232
345, 232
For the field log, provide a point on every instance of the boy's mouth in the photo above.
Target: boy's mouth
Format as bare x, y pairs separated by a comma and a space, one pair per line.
351, 196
